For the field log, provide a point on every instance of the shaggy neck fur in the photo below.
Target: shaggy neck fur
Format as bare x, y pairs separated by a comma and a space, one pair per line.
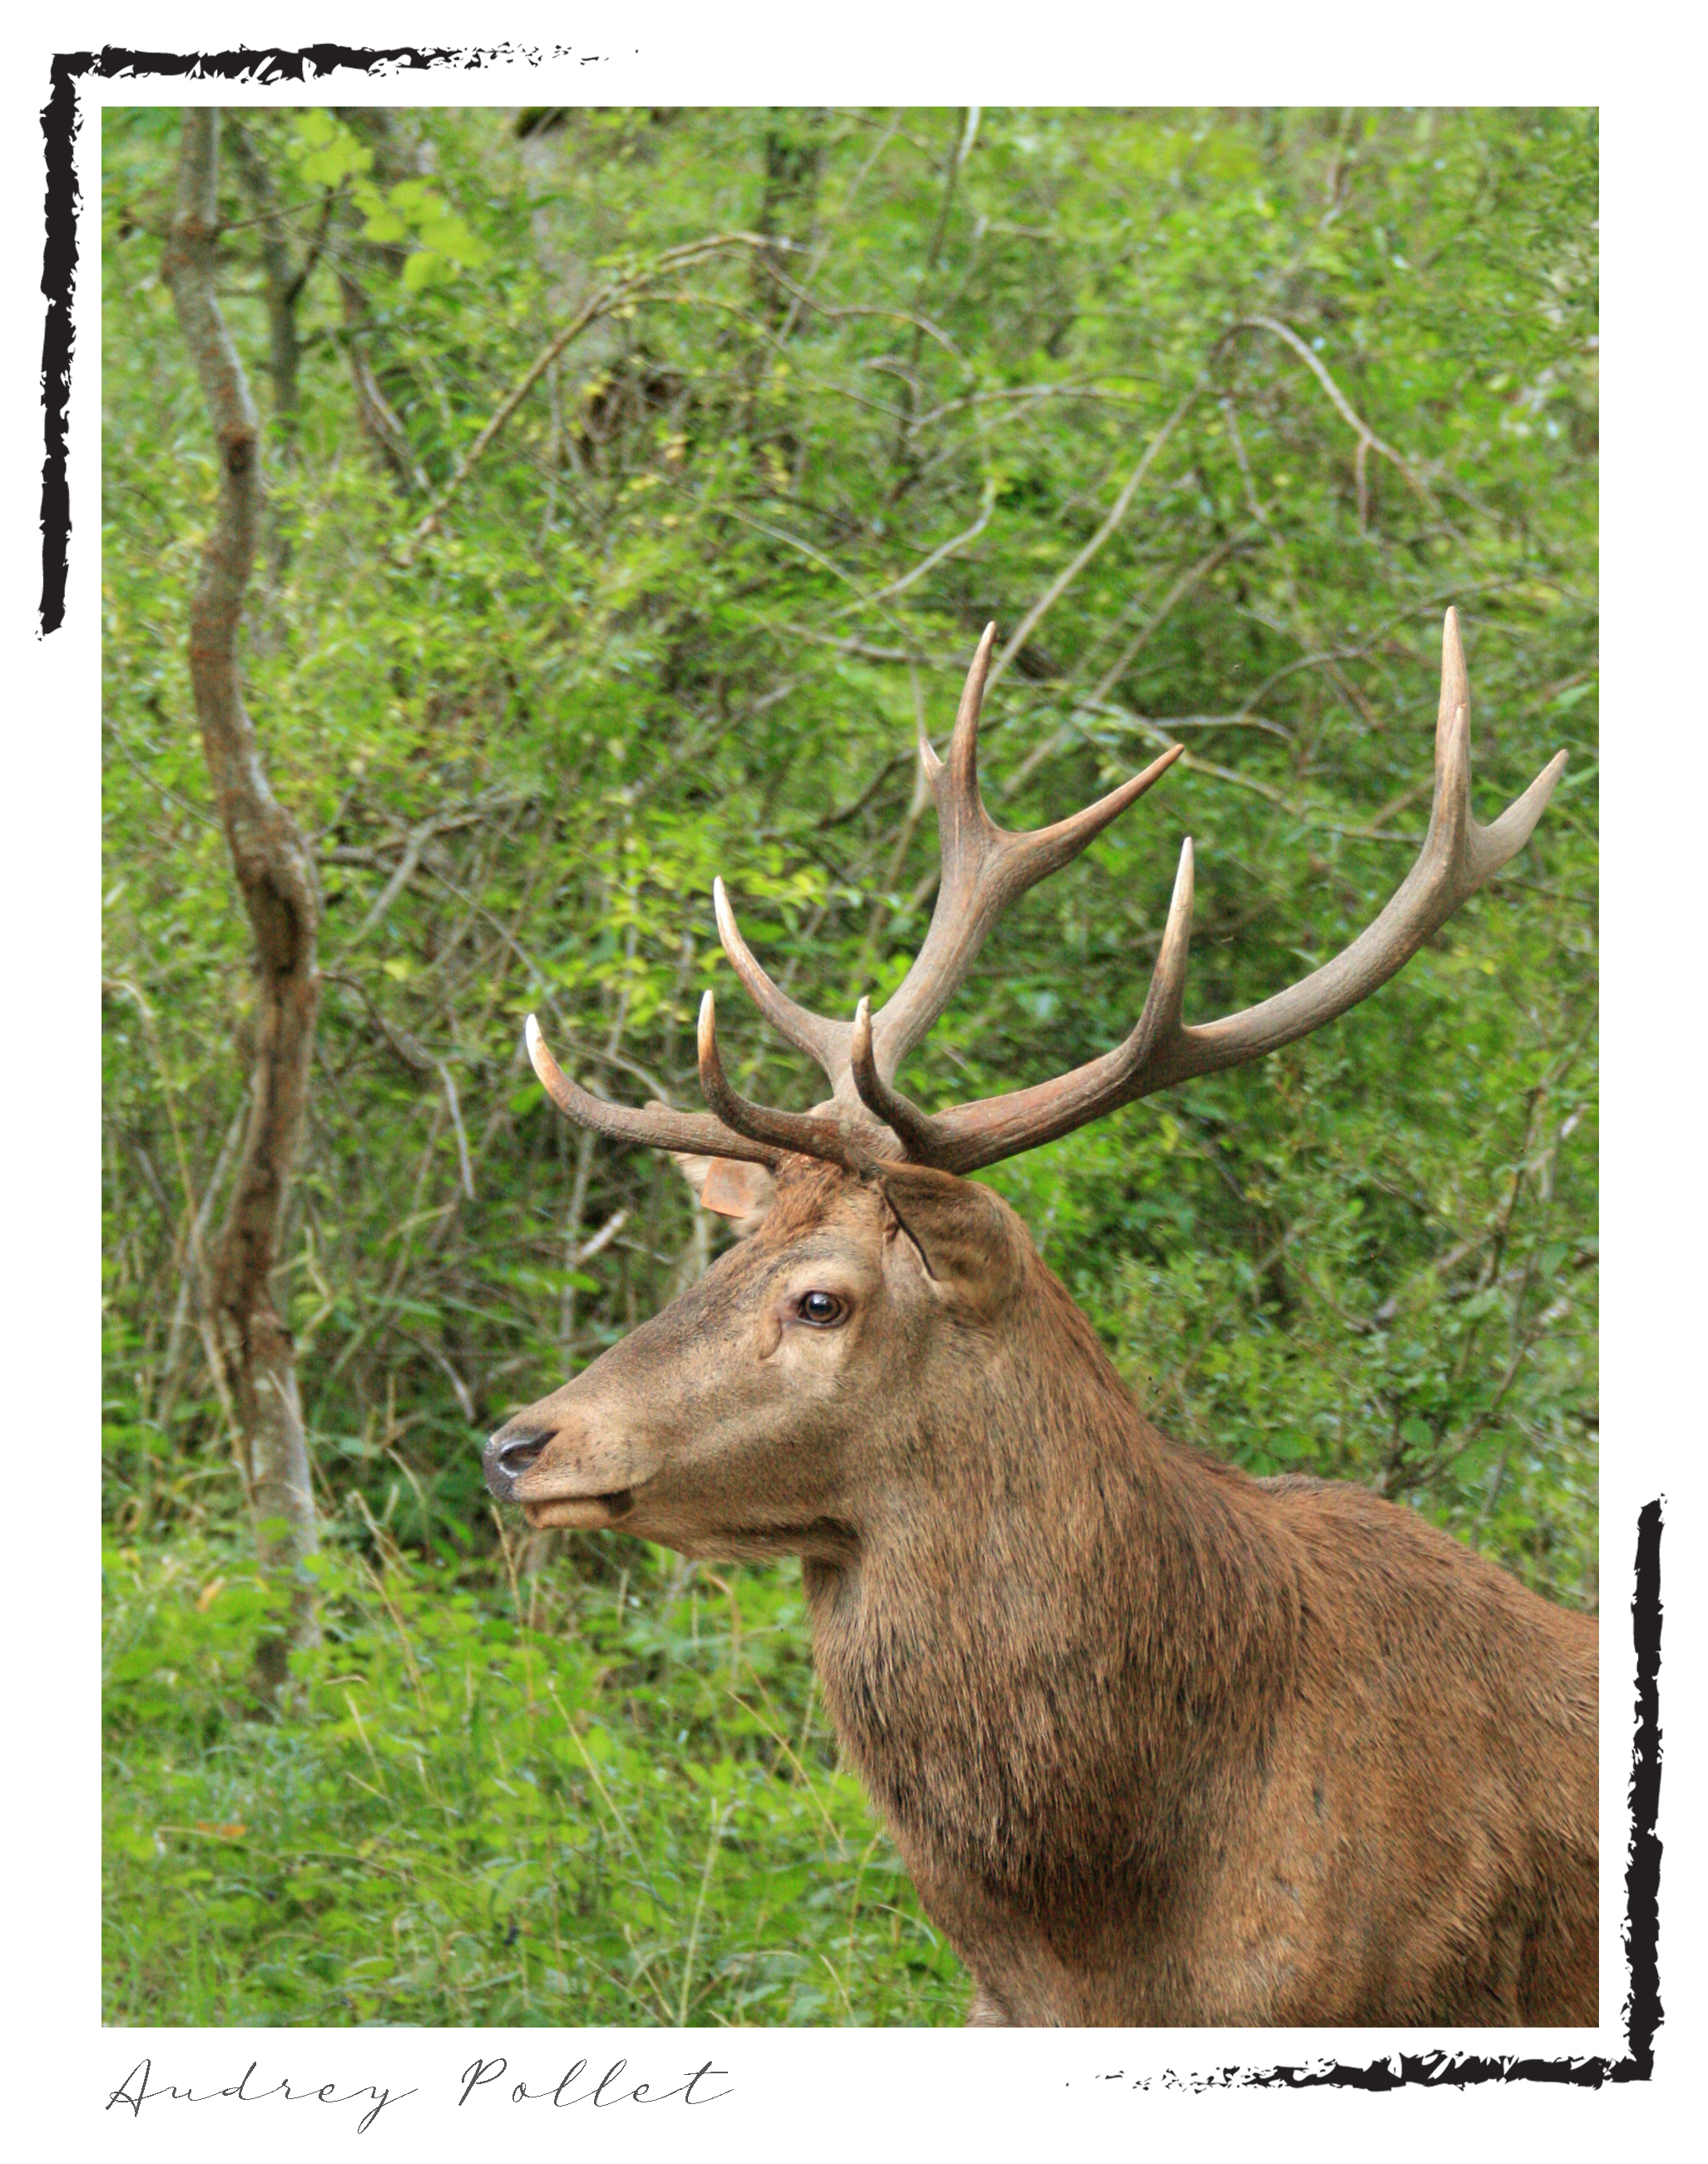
1060, 1654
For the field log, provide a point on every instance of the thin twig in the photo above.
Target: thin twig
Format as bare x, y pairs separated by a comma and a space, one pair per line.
1192, 576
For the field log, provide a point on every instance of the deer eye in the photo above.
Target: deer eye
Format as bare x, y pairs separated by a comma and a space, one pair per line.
822, 1310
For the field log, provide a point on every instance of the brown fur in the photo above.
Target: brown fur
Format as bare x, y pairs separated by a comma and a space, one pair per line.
1160, 1743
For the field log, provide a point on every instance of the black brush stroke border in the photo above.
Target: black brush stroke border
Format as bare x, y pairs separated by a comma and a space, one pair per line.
60, 119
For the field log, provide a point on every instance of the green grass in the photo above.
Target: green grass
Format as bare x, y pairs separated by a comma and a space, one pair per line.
543, 1801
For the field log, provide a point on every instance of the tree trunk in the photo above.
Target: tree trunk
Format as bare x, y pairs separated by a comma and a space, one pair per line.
275, 876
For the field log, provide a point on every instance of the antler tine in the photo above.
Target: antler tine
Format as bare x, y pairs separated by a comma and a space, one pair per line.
1479, 851
964, 743
966, 907
801, 1132
1456, 857
825, 1039
984, 869
1048, 848
917, 1129
655, 1128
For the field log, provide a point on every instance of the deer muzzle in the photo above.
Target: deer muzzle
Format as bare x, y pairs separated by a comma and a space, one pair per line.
568, 1486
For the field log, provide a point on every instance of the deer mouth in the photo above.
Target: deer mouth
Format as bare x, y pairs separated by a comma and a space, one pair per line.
588, 1513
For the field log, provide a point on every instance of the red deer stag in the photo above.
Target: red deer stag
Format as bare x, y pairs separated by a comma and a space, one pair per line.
1159, 1742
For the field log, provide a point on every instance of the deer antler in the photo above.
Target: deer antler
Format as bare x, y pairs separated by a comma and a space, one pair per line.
984, 869
1456, 856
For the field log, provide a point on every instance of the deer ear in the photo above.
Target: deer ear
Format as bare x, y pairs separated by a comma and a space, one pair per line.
734, 1187
729, 1188
963, 1235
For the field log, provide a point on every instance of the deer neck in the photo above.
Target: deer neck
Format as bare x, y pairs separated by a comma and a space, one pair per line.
1063, 1632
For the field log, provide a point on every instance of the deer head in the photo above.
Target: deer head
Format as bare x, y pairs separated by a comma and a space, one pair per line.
866, 1350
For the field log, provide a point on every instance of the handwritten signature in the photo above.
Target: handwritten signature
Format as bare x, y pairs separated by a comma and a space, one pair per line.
139, 2087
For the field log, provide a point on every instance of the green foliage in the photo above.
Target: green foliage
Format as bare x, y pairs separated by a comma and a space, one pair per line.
576, 1804
326, 153
683, 614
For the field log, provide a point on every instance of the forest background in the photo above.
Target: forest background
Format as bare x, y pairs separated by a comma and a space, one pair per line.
635, 488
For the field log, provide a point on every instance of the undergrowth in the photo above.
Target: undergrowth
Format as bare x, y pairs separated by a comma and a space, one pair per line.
548, 1801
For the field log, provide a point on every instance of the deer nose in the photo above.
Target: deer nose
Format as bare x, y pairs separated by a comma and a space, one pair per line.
507, 1457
